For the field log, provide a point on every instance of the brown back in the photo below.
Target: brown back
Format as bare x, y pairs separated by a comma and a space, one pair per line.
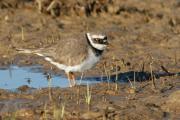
69, 51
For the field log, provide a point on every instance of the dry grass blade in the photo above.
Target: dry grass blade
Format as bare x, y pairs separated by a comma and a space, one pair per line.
152, 76
62, 111
175, 58
134, 80
45, 112
107, 74
22, 34
142, 69
58, 113
130, 82
88, 96
82, 75
116, 88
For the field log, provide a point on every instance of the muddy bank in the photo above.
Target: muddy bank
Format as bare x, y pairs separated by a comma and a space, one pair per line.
107, 102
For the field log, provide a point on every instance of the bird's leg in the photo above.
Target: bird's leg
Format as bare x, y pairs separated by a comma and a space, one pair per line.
82, 75
69, 79
74, 79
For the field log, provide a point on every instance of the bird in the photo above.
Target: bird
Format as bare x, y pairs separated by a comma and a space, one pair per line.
74, 55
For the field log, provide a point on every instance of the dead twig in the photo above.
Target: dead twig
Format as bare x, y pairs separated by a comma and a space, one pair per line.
165, 70
152, 75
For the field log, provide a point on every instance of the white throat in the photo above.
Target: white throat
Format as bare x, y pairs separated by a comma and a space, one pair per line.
95, 45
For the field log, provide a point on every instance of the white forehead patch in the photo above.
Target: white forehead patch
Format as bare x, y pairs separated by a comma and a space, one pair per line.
98, 36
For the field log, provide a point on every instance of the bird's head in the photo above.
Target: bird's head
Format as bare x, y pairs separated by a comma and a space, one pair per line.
98, 41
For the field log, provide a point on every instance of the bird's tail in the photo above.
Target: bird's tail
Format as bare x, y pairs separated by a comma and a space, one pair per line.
27, 51
37, 52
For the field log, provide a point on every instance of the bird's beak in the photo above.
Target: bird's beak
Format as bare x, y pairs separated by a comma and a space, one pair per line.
108, 46
107, 43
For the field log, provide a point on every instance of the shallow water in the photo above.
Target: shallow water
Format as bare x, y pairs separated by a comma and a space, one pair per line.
33, 76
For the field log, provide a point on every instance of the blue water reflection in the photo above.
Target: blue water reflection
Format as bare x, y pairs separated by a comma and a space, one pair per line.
33, 76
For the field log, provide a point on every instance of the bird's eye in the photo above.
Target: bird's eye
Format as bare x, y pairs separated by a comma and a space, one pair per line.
96, 39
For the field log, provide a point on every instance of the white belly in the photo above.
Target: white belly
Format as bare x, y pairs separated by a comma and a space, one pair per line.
88, 63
